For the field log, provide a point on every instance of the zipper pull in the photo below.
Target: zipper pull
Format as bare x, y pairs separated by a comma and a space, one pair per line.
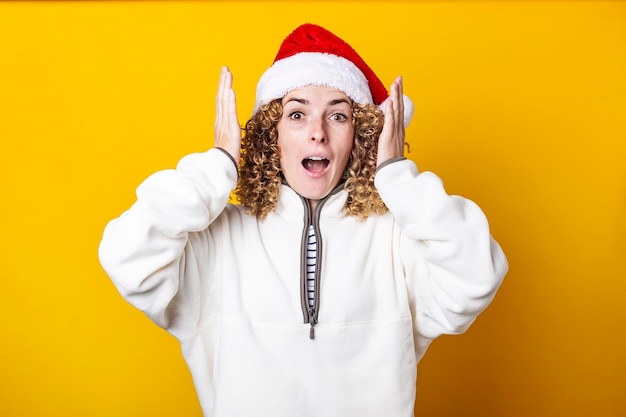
313, 323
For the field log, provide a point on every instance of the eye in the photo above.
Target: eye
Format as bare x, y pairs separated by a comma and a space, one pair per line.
296, 115
339, 117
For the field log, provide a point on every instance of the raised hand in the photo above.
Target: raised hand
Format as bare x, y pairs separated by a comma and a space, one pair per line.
391, 141
227, 130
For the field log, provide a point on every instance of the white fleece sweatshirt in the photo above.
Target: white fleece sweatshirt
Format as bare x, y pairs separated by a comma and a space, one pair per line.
230, 288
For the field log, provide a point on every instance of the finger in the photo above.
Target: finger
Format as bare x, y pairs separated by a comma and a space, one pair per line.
232, 103
225, 105
389, 117
400, 83
219, 99
399, 115
400, 100
231, 108
223, 84
226, 90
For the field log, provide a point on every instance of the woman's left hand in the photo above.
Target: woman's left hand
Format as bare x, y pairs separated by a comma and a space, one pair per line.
391, 140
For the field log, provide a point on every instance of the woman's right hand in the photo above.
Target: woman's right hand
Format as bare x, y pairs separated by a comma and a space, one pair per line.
227, 130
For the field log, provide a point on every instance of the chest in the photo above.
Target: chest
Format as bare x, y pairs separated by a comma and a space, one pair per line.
263, 271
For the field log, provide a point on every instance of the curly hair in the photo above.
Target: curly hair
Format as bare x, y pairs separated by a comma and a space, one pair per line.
260, 173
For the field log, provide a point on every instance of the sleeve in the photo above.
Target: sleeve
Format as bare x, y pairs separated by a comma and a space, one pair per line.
143, 250
453, 266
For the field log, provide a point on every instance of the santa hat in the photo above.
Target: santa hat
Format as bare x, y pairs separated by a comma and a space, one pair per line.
311, 55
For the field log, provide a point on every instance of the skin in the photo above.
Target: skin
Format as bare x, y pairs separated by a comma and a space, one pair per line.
311, 125
316, 124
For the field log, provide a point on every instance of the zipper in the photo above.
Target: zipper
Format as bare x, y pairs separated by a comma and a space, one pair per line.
310, 314
313, 322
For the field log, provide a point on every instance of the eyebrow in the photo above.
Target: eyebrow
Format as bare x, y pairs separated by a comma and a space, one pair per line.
298, 100
330, 103
338, 101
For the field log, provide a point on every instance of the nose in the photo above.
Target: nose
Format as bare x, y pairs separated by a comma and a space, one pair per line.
318, 131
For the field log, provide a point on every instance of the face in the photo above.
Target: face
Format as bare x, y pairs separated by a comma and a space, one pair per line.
315, 136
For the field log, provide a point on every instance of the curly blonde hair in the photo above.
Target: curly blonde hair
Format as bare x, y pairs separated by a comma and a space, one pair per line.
259, 168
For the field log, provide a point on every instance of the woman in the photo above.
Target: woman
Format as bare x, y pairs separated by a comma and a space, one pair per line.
320, 292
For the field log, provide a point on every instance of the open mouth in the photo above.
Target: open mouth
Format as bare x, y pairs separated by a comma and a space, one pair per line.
315, 163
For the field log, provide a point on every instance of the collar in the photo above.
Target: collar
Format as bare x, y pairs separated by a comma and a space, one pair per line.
291, 204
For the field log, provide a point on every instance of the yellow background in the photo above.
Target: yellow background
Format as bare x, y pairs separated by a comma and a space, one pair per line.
520, 106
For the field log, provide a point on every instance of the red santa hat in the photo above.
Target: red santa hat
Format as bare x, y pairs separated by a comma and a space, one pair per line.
311, 55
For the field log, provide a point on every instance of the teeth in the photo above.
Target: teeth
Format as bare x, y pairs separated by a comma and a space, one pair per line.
316, 158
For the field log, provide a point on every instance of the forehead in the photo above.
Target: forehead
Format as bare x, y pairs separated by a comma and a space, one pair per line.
316, 91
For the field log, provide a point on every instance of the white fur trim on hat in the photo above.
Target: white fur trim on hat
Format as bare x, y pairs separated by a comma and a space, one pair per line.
321, 69
312, 68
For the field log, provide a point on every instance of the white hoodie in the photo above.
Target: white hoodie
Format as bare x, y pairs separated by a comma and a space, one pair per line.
230, 287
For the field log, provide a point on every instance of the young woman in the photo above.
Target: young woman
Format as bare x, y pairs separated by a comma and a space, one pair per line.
318, 294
